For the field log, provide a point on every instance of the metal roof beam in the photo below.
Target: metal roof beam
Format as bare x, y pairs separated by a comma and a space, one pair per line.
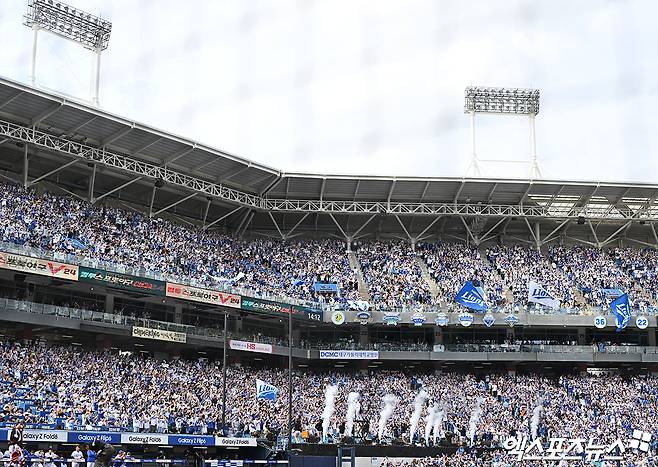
223, 217
422, 195
117, 135
177, 155
596, 237
289, 234
614, 235
363, 225
269, 187
176, 203
46, 113
548, 238
144, 147
283, 237
54, 171
6, 102
459, 192
77, 128
404, 228
345, 236
120, 187
486, 237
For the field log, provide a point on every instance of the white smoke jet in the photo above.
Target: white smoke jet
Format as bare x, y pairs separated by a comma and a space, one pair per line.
419, 401
429, 421
536, 413
390, 401
436, 424
329, 404
475, 418
352, 410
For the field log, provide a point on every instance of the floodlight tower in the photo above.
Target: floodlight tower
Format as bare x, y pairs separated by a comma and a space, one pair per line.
503, 101
78, 26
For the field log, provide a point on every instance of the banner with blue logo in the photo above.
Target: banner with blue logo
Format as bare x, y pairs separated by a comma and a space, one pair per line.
265, 391
622, 311
472, 297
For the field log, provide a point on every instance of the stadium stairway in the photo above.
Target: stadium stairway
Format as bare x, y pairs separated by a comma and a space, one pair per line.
507, 293
364, 293
427, 277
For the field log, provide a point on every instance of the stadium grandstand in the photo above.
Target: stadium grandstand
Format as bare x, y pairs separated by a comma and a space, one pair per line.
166, 302
154, 291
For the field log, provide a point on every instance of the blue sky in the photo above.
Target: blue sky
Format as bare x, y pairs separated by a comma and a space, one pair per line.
373, 87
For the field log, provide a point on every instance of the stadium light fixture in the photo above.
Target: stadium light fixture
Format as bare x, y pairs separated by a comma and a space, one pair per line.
67, 22
503, 101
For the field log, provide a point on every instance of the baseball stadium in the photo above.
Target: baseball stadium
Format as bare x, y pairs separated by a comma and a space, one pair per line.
163, 301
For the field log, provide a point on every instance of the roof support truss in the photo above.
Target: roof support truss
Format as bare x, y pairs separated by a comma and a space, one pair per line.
176, 203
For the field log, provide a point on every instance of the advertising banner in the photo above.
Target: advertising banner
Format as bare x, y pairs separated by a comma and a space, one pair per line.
195, 294
122, 281
42, 267
45, 436
349, 354
159, 334
250, 346
85, 437
235, 442
191, 440
144, 438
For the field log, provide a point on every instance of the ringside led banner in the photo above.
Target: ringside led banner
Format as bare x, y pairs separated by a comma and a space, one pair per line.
195, 294
42, 267
122, 281
278, 308
86, 437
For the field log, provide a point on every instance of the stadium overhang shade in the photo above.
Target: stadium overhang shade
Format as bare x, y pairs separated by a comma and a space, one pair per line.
152, 168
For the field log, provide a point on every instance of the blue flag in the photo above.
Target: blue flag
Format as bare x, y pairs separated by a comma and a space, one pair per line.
265, 391
622, 311
472, 297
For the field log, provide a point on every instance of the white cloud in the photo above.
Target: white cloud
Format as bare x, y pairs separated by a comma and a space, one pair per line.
373, 87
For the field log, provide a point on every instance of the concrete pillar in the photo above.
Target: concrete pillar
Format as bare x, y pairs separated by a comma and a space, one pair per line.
438, 335
178, 313
296, 335
364, 337
582, 336
109, 303
237, 326
651, 337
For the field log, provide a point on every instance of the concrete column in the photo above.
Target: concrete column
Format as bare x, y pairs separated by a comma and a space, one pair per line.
581, 336
364, 337
651, 337
109, 303
178, 313
237, 325
438, 335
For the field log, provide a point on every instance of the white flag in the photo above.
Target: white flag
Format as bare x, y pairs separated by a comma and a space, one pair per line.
537, 294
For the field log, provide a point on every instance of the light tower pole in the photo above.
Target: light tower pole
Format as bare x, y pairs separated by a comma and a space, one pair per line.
78, 26
503, 101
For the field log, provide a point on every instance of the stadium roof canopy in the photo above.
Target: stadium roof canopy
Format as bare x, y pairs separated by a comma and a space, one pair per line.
93, 154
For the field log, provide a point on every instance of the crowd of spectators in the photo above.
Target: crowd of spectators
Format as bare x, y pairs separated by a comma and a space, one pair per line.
518, 265
392, 273
451, 265
266, 268
595, 273
641, 265
73, 388
289, 270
